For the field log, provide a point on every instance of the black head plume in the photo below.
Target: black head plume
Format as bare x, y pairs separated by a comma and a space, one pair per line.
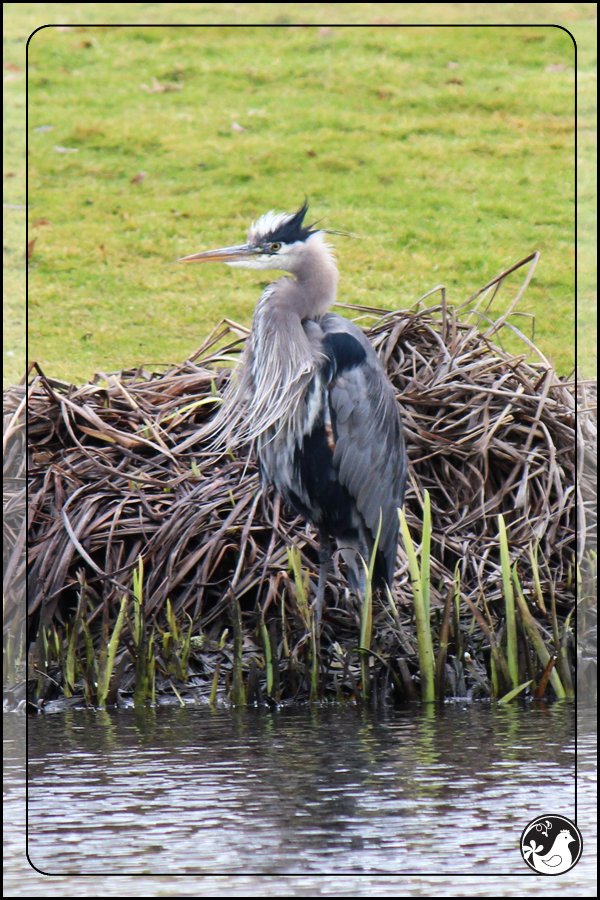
281, 228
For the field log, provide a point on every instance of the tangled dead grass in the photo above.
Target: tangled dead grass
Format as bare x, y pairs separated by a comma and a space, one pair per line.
116, 472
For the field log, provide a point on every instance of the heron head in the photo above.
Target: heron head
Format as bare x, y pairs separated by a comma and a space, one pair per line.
275, 241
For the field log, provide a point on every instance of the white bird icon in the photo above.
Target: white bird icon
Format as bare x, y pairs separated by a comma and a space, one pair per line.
557, 860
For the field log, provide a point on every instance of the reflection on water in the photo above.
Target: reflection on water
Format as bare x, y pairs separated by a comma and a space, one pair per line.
316, 790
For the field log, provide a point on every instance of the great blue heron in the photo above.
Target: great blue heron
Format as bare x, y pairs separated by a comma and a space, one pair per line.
314, 397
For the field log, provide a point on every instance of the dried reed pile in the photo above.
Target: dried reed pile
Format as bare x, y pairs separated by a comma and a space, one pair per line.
115, 472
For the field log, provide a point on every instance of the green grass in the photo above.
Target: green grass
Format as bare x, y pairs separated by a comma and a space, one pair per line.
442, 174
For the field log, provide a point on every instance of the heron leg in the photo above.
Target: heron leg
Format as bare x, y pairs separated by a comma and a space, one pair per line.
325, 565
353, 552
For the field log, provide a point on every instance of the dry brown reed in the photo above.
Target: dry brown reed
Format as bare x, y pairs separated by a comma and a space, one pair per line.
116, 472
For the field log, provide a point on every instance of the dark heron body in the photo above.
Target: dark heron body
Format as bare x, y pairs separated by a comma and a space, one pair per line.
315, 398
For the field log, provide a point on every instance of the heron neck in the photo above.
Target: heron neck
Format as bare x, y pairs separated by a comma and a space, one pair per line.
316, 280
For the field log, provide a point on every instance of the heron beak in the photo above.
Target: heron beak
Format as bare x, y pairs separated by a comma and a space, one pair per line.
225, 254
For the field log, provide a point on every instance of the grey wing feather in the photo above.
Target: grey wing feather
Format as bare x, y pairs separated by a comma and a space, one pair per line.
369, 454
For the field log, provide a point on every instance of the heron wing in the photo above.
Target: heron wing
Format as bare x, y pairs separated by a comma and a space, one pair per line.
369, 453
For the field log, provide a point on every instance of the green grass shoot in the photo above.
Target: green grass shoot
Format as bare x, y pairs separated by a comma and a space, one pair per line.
174, 629
426, 553
456, 620
238, 691
509, 602
215, 684
70, 666
535, 637
366, 619
105, 669
186, 644
512, 694
143, 643
533, 558
301, 582
425, 645
138, 602
268, 660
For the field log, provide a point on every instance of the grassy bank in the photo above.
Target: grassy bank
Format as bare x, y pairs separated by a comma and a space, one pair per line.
447, 152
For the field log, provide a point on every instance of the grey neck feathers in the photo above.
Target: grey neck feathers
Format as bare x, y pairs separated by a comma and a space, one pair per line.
316, 279
280, 359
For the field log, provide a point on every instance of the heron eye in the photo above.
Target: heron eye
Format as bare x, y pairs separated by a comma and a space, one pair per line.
275, 247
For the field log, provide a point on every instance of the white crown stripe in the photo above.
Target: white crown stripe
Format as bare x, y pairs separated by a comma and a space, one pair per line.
267, 223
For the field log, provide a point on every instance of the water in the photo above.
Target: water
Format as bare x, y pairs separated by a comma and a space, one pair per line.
338, 801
